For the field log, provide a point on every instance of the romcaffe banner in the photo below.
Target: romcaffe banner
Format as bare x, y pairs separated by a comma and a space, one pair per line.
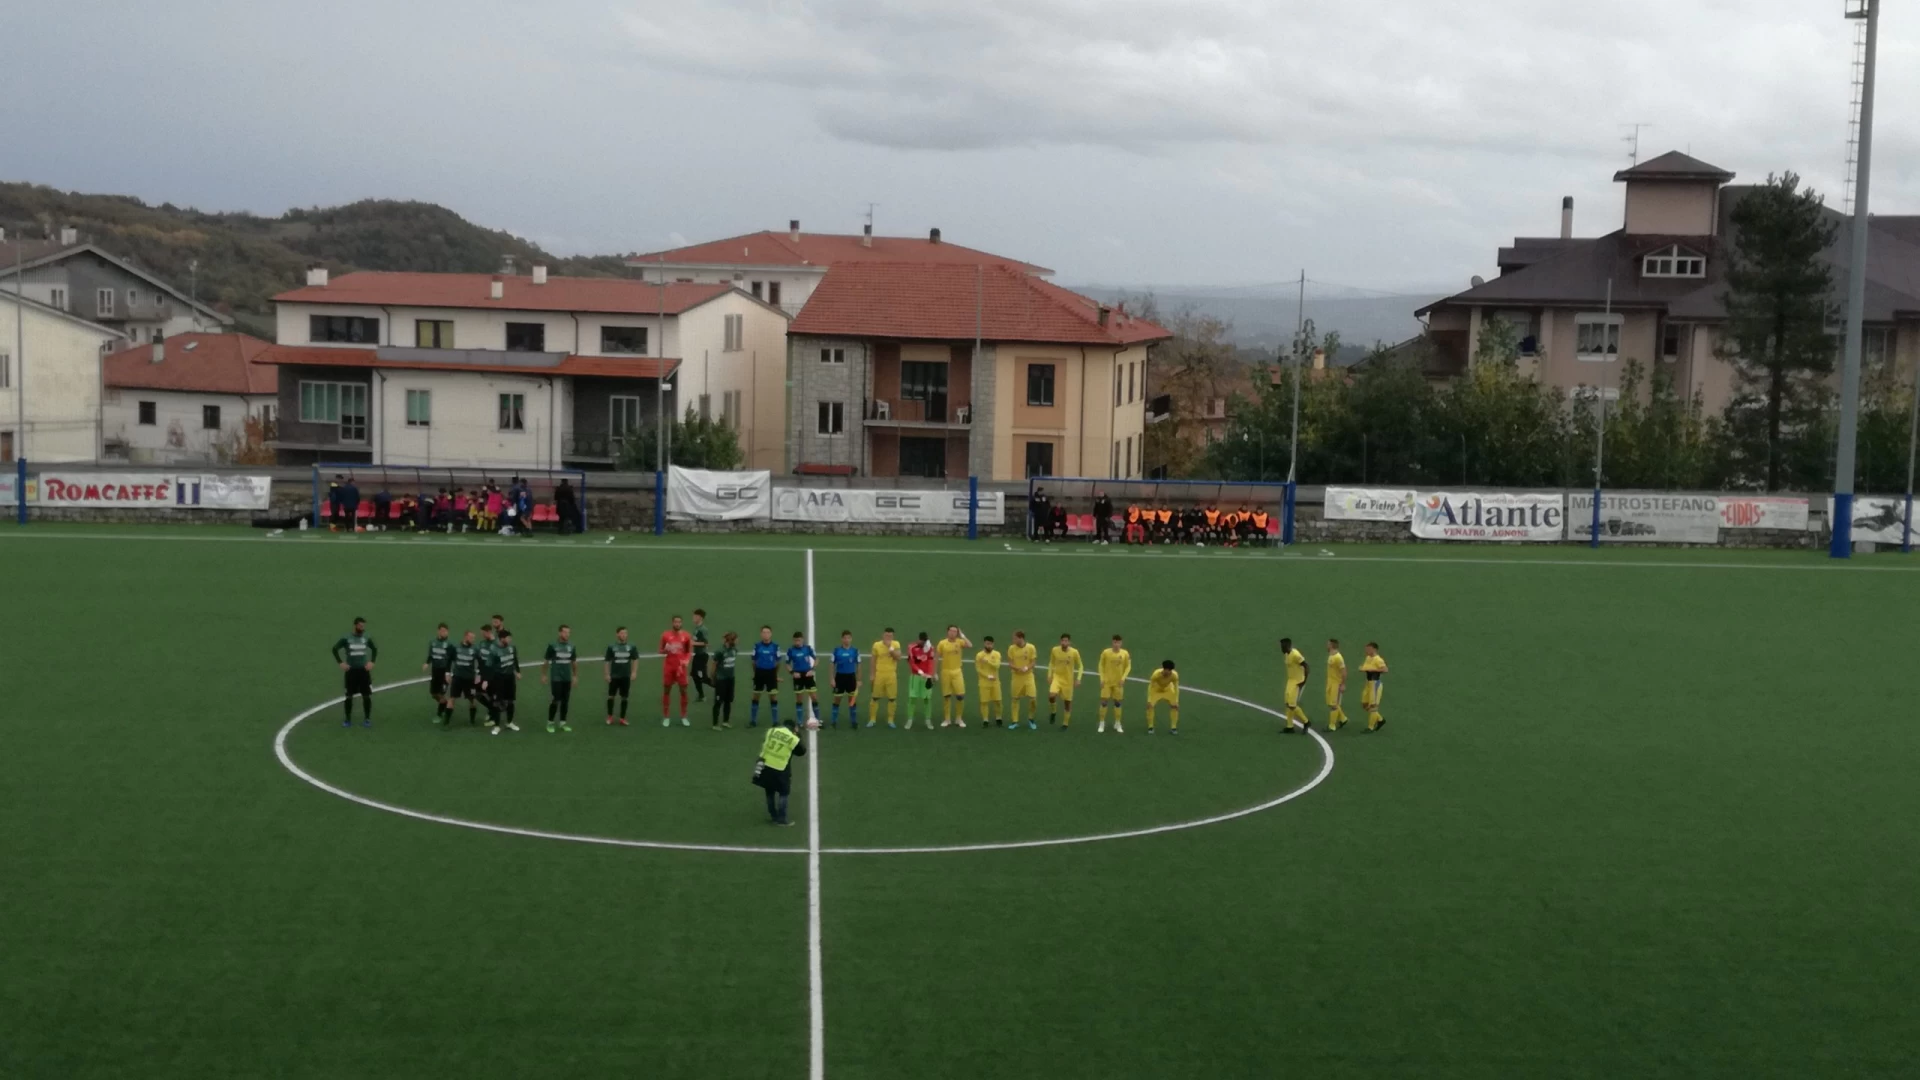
153, 491
1368, 504
1488, 515
834, 506
700, 495
1763, 512
1879, 519
1645, 517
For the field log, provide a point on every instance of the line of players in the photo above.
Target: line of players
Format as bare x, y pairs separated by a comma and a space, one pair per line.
1373, 668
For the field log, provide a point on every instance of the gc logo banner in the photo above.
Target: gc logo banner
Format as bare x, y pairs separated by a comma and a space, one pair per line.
864, 506
703, 495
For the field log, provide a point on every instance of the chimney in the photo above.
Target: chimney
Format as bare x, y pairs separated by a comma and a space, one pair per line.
1104, 312
933, 236
317, 276
498, 289
866, 237
159, 352
69, 236
1319, 359
539, 274
1566, 218
793, 229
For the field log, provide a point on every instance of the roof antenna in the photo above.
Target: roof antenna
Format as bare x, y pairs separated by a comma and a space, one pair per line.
1633, 141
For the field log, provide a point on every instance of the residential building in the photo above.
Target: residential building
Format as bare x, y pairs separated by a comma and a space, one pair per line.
1654, 290
60, 375
86, 280
785, 268
950, 370
188, 399
503, 370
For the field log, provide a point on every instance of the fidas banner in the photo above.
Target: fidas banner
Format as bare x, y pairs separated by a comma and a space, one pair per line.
1645, 518
832, 505
1490, 515
153, 491
1368, 504
1763, 512
1879, 519
701, 495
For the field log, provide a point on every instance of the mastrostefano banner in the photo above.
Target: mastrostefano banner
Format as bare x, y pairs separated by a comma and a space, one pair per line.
1645, 517
834, 505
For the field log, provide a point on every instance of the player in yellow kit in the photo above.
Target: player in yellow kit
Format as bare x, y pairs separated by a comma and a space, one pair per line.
1374, 667
1115, 665
1022, 657
1164, 685
1336, 685
1297, 668
885, 677
986, 669
1063, 674
953, 681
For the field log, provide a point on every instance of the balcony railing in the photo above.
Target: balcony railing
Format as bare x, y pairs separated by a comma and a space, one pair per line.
934, 413
592, 447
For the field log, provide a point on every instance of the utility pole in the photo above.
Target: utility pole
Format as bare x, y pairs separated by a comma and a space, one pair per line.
660, 378
1841, 546
1607, 351
1293, 441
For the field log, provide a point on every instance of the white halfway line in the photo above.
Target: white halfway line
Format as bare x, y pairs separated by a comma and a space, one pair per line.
816, 979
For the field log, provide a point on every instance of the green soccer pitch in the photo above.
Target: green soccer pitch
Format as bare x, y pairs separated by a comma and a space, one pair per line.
1635, 813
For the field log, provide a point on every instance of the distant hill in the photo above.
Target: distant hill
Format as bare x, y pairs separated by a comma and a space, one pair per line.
244, 259
1263, 319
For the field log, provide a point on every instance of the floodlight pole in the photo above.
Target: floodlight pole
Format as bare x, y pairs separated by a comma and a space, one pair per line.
1913, 439
1841, 546
20, 377
660, 379
1600, 429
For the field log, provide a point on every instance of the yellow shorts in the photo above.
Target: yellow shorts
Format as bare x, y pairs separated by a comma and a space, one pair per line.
1060, 688
953, 684
1022, 686
1293, 693
1333, 694
1112, 691
989, 690
885, 689
1155, 697
1371, 693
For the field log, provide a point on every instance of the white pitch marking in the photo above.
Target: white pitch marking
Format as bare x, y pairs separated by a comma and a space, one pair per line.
816, 979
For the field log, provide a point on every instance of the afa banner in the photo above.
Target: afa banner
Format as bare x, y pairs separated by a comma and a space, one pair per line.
154, 491
1490, 515
1879, 519
1368, 504
834, 505
1763, 512
701, 495
1647, 518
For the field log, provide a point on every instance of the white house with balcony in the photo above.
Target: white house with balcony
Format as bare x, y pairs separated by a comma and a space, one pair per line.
493, 370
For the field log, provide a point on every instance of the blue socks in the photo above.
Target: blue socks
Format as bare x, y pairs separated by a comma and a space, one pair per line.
836, 714
853, 714
753, 715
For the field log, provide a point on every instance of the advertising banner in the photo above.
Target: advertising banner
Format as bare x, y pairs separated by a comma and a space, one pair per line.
154, 491
8, 494
1763, 512
1879, 519
833, 505
1491, 515
701, 495
1645, 517
1369, 504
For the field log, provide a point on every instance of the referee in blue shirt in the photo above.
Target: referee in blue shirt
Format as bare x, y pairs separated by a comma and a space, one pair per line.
800, 658
846, 680
766, 677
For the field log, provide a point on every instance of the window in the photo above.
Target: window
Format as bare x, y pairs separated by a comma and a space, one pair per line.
58, 299
1116, 387
433, 333
735, 331
347, 329
269, 415
627, 340
920, 380
1039, 459
1130, 395
758, 288
1670, 342
832, 419
353, 412
526, 337
730, 409
103, 303
1040, 384
6, 371
921, 456
133, 334
773, 293
133, 299
319, 403
149, 414
210, 417
1596, 337
1674, 261
623, 416
513, 412
419, 408
833, 356
1126, 463
1115, 471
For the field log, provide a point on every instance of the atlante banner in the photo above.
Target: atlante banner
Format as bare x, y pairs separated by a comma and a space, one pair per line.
834, 505
1763, 512
702, 495
1488, 515
1646, 517
1879, 519
153, 491
1369, 504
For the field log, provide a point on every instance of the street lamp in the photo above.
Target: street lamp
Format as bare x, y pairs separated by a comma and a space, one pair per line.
1841, 546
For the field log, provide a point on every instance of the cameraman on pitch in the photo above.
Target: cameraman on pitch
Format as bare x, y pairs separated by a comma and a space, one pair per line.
775, 769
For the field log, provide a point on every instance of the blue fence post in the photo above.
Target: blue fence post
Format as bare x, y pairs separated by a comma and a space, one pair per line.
316, 496
1840, 544
973, 508
1286, 516
659, 503
20, 488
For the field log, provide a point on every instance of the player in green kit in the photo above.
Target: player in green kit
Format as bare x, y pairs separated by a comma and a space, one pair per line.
701, 658
505, 685
355, 654
466, 677
622, 658
438, 667
489, 661
558, 673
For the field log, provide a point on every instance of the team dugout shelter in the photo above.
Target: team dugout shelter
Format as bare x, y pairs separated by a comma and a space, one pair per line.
1155, 511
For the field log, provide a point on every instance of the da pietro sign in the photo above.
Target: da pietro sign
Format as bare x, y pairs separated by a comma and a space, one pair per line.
860, 506
1488, 515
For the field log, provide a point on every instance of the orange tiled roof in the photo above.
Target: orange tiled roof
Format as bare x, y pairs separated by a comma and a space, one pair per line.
936, 302
620, 367
204, 363
772, 248
617, 296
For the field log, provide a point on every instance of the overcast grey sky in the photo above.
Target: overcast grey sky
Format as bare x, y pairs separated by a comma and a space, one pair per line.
1386, 143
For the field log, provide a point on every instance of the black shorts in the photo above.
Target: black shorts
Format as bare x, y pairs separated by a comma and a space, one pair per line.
621, 688
359, 681
766, 679
562, 691
802, 681
503, 687
461, 687
845, 682
437, 683
723, 691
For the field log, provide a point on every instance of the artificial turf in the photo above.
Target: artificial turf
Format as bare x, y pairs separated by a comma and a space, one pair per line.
1636, 812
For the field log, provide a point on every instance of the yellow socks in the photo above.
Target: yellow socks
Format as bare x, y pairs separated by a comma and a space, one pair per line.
1173, 719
